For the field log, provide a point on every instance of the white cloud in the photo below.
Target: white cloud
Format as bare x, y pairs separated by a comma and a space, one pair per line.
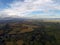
22, 9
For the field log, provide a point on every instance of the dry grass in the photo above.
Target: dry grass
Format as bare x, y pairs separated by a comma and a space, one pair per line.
19, 42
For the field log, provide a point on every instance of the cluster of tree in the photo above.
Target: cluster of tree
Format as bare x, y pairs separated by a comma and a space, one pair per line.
39, 37
36, 37
3, 37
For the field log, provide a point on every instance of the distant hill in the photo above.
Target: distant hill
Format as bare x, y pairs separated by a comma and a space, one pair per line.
10, 19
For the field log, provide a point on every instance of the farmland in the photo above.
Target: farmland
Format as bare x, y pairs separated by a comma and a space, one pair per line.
30, 33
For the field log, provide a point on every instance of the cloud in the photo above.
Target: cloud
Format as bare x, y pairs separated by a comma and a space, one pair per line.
26, 7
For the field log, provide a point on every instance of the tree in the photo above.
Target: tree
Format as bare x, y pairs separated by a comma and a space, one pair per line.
6, 29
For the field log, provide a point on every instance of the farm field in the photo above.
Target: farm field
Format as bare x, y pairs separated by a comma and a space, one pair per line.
30, 33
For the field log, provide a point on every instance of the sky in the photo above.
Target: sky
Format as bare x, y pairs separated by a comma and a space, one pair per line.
30, 8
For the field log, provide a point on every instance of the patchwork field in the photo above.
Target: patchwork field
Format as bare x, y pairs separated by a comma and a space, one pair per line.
30, 33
